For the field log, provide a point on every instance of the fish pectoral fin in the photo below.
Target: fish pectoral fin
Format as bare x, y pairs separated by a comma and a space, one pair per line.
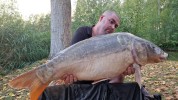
37, 89
98, 81
137, 74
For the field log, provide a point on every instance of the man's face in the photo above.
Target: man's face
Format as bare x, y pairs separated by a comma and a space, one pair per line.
109, 23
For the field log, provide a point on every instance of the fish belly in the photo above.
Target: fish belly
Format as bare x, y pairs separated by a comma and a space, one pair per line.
103, 67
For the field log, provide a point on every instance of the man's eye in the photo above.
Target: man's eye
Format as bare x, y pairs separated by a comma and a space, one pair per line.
111, 21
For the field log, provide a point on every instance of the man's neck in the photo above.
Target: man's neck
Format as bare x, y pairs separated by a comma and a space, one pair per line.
95, 30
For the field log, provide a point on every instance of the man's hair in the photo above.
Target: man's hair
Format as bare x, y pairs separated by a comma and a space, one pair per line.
109, 12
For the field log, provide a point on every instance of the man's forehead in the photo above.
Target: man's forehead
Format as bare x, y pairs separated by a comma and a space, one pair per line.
115, 18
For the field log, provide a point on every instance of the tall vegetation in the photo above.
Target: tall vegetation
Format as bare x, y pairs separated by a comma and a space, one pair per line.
21, 42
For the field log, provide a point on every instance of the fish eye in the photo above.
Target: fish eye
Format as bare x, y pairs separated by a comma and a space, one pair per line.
156, 49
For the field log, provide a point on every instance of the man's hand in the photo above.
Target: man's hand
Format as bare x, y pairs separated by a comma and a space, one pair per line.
69, 78
130, 70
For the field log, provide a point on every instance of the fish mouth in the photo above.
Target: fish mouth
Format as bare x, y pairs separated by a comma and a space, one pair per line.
163, 57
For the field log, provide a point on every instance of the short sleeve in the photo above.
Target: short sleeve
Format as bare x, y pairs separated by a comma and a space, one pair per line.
81, 33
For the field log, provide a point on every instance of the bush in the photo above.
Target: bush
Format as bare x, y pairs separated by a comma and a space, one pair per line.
24, 49
169, 46
22, 42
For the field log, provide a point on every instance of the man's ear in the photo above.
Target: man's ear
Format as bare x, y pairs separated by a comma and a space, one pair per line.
101, 17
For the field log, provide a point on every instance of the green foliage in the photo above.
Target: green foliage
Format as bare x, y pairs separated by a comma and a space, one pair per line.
170, 45
173, 56
22, 42
88, 11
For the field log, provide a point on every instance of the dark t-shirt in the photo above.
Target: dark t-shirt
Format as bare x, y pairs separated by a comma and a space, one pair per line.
82, 33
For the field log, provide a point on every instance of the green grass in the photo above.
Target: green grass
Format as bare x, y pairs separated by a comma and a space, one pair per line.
23, 49
173, 56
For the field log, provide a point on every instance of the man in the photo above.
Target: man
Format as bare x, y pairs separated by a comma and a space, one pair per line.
107, 24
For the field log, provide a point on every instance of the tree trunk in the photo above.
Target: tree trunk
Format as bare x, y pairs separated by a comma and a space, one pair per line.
60, 25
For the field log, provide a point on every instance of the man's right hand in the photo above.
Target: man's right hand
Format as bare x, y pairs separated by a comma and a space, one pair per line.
69, 78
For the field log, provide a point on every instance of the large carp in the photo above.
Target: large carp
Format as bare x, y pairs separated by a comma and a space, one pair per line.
96, 58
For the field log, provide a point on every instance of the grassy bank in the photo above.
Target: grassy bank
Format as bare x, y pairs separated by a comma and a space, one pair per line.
173, 56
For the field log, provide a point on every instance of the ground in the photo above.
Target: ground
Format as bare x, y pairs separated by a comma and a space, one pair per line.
161, 78
158, 78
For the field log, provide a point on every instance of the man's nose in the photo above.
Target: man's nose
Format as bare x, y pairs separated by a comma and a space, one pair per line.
113, 26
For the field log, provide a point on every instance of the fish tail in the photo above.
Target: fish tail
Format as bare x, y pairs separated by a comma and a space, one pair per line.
30, 81
37, 89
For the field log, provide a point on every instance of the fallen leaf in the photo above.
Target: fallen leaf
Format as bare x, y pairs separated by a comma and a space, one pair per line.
11, 94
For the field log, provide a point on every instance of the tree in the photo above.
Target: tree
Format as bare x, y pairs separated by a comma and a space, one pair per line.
60, 25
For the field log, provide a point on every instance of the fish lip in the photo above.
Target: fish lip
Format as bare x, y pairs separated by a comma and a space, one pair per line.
163, 57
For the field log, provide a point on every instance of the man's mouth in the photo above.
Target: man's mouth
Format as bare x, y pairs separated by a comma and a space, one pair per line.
109, 31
